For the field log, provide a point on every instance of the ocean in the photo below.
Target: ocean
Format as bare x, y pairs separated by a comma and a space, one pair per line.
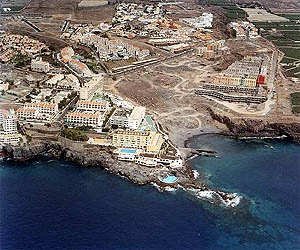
52, 204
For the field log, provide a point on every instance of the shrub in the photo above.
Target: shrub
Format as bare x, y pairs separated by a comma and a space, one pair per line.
74, 134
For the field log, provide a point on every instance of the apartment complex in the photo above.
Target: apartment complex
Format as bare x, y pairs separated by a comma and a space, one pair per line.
67, 56
177, 48
37, 111
25, 114
250, 72
67, 82
213, 50
112, 49
79, 67
203, 21
244, 30
39, 66
77, 118
9, 131
99, 105
43, 107
120, 118
163, 41
145, 140
235, 81
231, 98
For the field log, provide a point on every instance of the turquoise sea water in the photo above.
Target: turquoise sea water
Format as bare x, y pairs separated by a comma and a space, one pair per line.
51, 204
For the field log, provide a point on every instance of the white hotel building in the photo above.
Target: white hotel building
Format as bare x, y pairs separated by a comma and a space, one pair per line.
129, 121
80, 119
25, 113
9, 132
37, 111
100, 105
39, 66
43, 107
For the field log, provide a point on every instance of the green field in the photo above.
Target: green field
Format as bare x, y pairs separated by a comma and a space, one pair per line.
287, 38
291, 16
291, 52
220, 3
296, 109
232, 11
288, 60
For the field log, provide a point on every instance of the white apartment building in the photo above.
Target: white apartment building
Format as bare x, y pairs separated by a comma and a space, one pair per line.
43, 107
136, 117
80, 119
6, 138
120, 118
99, 105
53, 81
25, 113
9, 131
203, 21
8, 121
68, 85
39, 66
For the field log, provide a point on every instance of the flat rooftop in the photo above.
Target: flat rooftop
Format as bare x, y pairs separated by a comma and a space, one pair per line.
137, 113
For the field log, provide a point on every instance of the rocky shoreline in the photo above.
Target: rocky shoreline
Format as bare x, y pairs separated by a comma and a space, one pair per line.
187, 178
98, 156
258, 128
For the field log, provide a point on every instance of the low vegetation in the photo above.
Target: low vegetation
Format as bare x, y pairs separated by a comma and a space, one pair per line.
232, 11
92, 66
64, 102
286, 35
74, 134
21, 60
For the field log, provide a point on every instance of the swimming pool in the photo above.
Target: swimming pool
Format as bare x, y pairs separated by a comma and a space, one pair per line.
100, 100
128, 151
170, 179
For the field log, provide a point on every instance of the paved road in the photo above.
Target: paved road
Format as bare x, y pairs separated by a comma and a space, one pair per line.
61, 114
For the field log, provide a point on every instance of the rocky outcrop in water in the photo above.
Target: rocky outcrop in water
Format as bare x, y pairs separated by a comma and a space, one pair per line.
259, 127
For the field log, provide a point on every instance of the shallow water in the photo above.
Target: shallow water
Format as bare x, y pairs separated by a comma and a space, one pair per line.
50, 204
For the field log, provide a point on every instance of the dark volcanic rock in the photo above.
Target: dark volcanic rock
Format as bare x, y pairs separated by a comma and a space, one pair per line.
248, 127
101, 157
23, 153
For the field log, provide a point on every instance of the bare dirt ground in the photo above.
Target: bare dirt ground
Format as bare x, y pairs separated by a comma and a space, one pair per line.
167, 91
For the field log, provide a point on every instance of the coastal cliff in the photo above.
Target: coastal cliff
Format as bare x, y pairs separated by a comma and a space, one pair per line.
258, 127
96, 156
